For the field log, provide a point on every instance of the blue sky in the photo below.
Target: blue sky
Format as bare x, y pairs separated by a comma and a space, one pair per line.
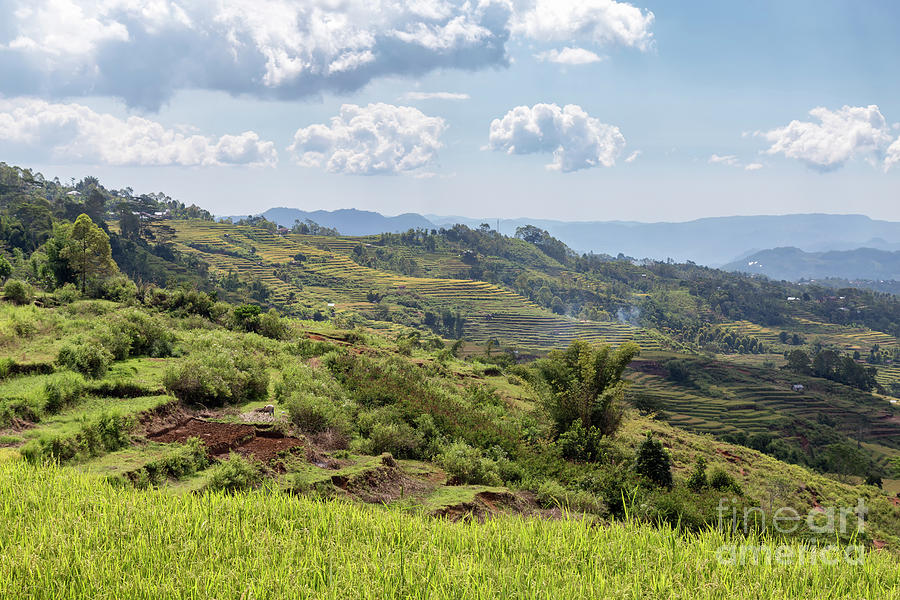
699, 95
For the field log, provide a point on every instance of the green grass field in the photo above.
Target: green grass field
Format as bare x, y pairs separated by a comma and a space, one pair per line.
69, 535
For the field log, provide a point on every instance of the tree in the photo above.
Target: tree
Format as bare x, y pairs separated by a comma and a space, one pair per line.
654, 462
5, 268
798, 362
585, 383
88, 252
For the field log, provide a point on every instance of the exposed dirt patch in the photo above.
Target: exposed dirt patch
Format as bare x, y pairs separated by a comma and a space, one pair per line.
222, 438
487, 504
384, 483
728, 456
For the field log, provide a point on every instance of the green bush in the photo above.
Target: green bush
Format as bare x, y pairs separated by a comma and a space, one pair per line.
235, 474
106, 433
654, 462
133, 332
181, 462
218, 377
697, 481
18, 292
314, 414
271, 325
401, 440
89, 359
579, 443
723, 482
66, 389
467, 465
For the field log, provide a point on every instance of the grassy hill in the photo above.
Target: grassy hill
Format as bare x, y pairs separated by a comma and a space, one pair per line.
327, 276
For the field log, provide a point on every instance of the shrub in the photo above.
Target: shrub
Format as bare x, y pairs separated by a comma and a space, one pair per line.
135, 333
235, 474
551, 494
65, 390
401, 440
67, 294
5, 268
245, 317
117, 289
271, 325
579, 443
314, 414
217, 377
697, 481
181, 462
653, 462
89, 359
466, 465
18, 292
106, 433
721, 481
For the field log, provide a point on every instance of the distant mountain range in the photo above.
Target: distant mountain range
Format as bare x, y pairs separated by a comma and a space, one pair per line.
793, 264
348, 221
712, 241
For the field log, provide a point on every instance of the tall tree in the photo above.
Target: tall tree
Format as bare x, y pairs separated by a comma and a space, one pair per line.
88, 251
585, 383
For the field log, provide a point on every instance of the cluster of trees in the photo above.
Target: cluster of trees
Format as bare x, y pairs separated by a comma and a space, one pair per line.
723, 340
832, 365
52, 234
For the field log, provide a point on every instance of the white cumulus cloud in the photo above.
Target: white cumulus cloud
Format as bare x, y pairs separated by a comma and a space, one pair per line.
838, 136
413, 96
598, 21
73, 132
569, 56
893, 155
753, 167
576, 140
146, 50
378, 139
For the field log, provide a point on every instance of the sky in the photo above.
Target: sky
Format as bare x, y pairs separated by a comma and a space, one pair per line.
559, 109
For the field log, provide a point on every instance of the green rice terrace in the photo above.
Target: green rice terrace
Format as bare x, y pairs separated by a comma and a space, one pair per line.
489, 311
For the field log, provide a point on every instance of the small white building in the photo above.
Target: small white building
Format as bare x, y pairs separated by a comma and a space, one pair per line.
798, 387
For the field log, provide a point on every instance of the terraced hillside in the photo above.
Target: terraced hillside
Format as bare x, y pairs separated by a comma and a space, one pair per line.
323, 276
722, 399
846, 338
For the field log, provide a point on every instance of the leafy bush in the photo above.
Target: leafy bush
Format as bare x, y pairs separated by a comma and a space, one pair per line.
723, 482
135, 333
235, 474
466, 465
106, 433
18, 292
697, 481
89, 359
62, 391
653, 462
579, 443
181, 462
245, 317
314, 414
272, 325
400, 439
585, 383
218, 376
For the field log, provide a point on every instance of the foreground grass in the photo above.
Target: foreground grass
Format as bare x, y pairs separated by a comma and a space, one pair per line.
64, 534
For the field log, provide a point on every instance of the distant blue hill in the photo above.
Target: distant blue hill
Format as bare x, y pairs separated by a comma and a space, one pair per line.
793, 264
712, 241
348, 221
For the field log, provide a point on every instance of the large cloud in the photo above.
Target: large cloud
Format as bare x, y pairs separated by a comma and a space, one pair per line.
378, 139
76, 133
145, 50
576, 140
837, 137
893, 155
598, 21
